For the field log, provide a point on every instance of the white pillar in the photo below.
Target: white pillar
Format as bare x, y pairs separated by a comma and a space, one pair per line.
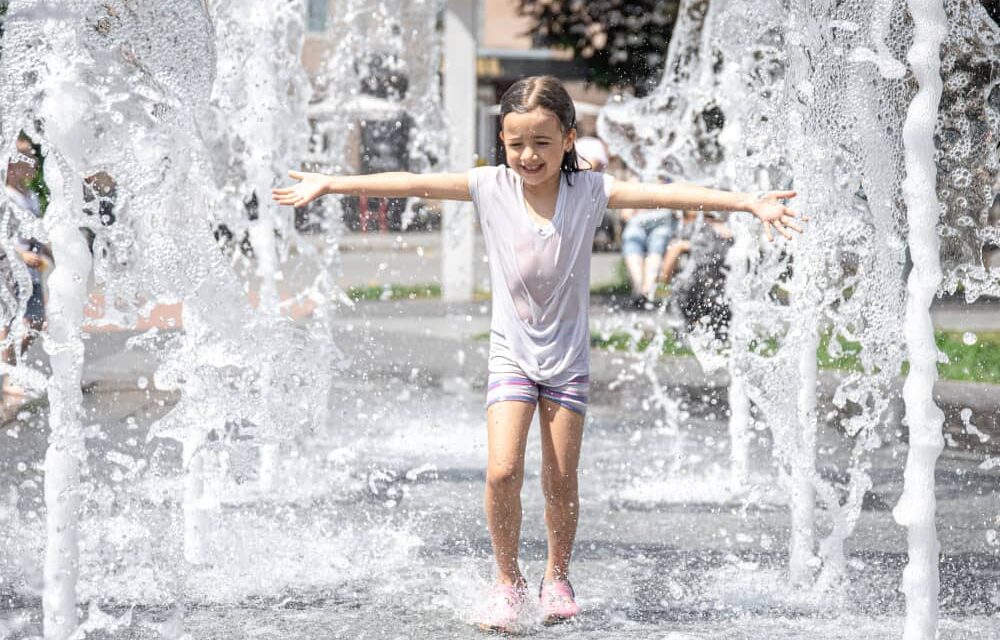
458, 224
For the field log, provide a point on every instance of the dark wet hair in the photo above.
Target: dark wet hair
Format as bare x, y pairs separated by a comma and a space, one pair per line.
541, 92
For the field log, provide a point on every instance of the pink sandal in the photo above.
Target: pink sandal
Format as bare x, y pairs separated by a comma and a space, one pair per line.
503, 608
558, 601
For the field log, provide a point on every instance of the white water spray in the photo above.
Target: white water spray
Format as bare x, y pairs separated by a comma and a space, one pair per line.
916, 508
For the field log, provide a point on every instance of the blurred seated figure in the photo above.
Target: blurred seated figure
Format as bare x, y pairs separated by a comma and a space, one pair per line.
37, 257
644, 242
698, 290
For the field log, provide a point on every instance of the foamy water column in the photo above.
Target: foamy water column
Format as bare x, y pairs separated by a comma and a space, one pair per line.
916, 508
968, 163
384, 66
259, 97
132, 108
62, 106
665, 135
240, 373
778, 82
67, 286
847, 268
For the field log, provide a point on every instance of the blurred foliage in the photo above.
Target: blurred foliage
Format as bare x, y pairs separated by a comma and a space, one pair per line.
624, 44
37, 184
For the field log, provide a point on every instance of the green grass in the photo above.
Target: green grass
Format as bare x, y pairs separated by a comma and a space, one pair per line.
979, 362
618, 289
848, 358
621, 341
394, 292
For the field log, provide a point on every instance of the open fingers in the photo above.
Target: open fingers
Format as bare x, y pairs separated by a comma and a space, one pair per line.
781, 229
281, 192
792, 225
768, 233
782, 195
288, 199
297, 175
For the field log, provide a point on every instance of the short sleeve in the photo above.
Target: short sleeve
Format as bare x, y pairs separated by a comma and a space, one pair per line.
609, 184
482, 186
480, 181
599, 185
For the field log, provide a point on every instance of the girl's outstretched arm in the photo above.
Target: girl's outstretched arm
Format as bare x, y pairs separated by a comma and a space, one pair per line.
438, 186
676, 195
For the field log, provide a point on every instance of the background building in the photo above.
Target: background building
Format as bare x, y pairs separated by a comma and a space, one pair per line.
505, 54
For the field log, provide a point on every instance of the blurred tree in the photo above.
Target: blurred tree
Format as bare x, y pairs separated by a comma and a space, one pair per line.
624, 44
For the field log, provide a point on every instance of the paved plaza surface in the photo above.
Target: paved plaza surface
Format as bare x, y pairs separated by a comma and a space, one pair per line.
376, 528
415, 259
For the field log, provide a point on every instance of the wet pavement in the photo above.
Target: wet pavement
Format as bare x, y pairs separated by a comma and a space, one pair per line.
376, 528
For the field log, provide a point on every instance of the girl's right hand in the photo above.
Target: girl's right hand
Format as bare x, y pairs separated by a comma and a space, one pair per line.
309, 187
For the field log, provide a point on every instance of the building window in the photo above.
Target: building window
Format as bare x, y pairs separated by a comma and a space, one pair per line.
319, 10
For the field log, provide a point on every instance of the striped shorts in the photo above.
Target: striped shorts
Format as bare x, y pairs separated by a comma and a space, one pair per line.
517, 386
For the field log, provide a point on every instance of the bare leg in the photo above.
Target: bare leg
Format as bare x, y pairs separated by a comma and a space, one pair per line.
562, 435
650, 274
507, 423
674, 252
633, 263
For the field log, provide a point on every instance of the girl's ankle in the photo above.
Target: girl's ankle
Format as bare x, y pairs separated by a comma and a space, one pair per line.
511, 581
553, 576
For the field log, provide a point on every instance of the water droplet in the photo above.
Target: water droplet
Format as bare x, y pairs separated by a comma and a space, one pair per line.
142, 382
970, 338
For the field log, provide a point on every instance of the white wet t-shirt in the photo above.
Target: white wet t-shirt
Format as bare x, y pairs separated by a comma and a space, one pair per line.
540, 274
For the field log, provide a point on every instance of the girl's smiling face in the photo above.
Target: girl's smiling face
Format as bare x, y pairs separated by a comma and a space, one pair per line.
535, 145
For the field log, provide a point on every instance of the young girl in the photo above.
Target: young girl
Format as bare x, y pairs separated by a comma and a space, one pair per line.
538, 211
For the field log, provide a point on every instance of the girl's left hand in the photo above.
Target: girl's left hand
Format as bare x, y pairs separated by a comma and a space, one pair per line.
775, 214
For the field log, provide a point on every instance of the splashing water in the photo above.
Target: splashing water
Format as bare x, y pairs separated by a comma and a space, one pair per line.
770, 95
748, 102
383, 74
106, 91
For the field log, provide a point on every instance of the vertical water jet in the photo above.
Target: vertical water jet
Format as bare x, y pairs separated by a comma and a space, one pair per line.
917, 506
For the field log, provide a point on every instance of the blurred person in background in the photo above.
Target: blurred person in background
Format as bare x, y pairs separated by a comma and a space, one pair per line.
22, 171
698, 291
644, 242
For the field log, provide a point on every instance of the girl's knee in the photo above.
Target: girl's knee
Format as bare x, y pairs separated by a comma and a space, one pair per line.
504, 476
